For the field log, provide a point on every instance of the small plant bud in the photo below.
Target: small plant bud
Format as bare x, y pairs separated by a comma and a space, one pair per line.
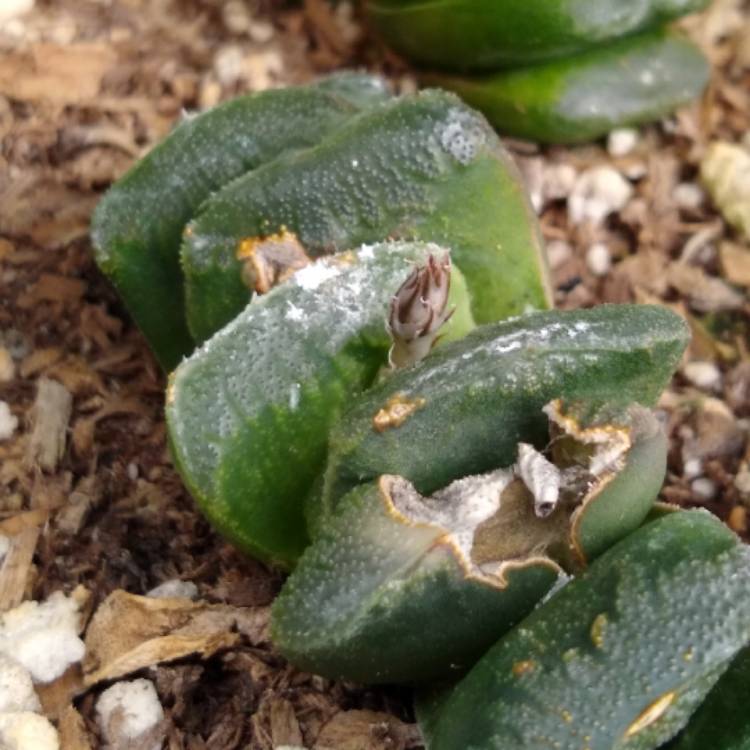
418, 311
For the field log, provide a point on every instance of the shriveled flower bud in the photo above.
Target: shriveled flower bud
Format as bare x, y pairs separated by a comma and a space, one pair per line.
418, 311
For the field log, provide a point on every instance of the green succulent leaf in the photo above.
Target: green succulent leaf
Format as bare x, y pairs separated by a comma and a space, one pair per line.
624, 450
137, 227
723, 721
435, 581
248, 413
490, 34
388, 591
465, 408
579, 98
619, 658
422, 167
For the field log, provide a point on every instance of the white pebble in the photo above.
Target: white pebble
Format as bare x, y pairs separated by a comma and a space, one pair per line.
635, 171
228, 65
236, 16
703, 375
742, 481
16, 688
558, 252
599, 259
622, 141
597, 193
132, 471
8, 422
24, 730
127, 712
261, 31
704, 488
558, 181
689, 196
693, 468
174, 589
11, 8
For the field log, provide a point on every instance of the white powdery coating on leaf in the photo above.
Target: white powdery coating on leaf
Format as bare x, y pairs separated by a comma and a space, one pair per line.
295, 391
43, 637
27, 731
16, 689
461, 135
128, 710
367, 252
351, 288
294, 313
312, 276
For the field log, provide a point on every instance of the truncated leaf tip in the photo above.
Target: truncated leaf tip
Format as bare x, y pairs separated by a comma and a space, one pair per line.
268, 261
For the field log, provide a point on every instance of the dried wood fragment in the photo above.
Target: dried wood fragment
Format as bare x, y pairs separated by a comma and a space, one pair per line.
16, 567
735, 263
50, 416
284, 725
705, 293
366, 730
73, 734
130, 632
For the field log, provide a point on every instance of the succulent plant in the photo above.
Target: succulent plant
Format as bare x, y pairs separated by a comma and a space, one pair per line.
460, 495
138, 226
422, 167
630, 81
555, 71
249, 413
435, 580
491, 34
722, 721
619, 658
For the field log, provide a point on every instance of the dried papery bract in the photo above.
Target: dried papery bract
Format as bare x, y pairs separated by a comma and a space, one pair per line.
419, 310
269, 261
541, 477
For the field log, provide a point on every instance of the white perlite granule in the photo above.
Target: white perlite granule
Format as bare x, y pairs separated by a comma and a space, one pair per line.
43, 637
16, 688
8, 422
131, 711
25, 730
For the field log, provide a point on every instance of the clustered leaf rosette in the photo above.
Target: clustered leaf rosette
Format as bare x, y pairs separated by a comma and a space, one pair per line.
621, 657
551, 70
432, 563
249, 412
240, 197
432, 477
138, 226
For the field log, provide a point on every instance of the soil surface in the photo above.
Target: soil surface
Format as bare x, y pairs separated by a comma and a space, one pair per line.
88, 496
